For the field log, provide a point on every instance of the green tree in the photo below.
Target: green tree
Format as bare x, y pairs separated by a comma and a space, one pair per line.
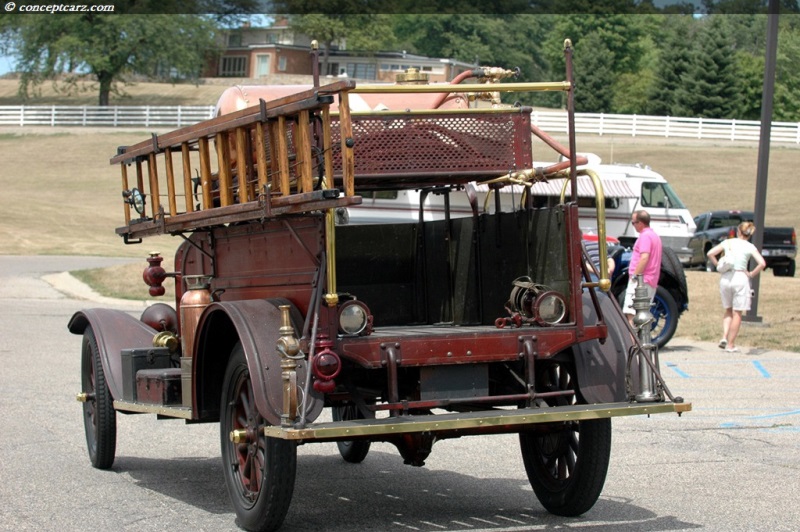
673, 63
507, 41
594, 78
362, 32
632, 89
710, 83
750, 85
787, 76
107, 48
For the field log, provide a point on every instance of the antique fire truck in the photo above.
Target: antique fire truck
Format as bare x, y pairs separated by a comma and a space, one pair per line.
409, 333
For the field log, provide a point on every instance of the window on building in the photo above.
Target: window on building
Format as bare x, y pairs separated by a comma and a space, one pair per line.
235, 39
233, 66
282, 63
361, 70
262, 65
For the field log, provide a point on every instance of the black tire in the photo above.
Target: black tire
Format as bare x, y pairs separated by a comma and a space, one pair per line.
671, 263
259, 473
99, 416
566, 462
353, 451
665, 315
784, 271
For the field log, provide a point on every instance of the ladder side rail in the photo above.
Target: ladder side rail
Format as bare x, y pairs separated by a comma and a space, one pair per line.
187, 177
210, 128
302, 145
173, 204
223, 169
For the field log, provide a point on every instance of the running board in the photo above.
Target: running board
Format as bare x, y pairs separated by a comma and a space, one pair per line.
483, 422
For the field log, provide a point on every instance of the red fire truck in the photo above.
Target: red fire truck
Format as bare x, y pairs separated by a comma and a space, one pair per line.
407, 333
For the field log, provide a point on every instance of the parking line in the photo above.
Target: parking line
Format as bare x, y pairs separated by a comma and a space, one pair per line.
674, 367
761, 369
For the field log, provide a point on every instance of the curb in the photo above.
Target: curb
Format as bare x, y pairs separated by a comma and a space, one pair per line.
65, 283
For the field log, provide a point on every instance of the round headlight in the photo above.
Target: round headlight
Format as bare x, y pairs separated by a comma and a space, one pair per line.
135, 199
550, 308
353, 318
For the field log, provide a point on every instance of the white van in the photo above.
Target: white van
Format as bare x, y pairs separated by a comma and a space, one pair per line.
626, 187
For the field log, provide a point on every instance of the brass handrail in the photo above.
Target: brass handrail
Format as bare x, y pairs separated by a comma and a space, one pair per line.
600, 203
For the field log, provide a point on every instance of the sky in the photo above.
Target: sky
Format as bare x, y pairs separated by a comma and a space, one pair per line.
6, 64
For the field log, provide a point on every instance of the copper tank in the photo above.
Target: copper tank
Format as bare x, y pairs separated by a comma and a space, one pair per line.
194, 300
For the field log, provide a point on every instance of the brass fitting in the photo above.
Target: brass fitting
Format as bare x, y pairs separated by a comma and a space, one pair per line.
238, 436
288, 346
412, 76
84, 397
166, 339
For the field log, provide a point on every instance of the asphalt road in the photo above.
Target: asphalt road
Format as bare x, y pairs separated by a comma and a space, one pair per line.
733, 463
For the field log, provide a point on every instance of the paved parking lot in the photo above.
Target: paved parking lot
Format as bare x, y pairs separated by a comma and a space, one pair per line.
732, 463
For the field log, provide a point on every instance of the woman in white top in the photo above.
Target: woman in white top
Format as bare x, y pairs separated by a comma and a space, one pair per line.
734, 285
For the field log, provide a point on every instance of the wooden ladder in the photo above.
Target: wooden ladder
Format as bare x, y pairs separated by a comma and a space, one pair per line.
265, 158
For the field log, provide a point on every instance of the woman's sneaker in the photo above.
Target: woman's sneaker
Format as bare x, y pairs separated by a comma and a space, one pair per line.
723, 343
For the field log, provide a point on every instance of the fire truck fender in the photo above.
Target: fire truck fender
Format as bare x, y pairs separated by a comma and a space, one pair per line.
600, 366
114, 331
255, 325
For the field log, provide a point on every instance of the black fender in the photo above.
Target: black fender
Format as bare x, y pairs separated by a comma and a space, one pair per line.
601, 367
255, 323
114, 330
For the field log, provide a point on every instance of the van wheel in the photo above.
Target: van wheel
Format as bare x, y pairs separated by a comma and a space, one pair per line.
99, 416
665, 317
259, 471
353, 451
566, 462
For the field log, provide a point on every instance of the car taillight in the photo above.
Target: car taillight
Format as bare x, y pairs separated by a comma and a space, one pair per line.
325, 365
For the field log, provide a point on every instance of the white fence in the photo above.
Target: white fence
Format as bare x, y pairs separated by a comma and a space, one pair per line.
550, 121
116, 116
666, 126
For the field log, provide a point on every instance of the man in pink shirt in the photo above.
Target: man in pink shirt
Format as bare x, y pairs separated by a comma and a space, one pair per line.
645, 259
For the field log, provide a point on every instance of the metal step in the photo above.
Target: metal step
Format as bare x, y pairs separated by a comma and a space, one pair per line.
455, 424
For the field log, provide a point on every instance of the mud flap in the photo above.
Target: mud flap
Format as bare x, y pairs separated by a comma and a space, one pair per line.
114, 330
255, 324
601, 367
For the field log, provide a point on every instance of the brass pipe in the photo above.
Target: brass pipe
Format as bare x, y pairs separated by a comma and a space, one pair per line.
288, 346
465, 87
600, 204
331, 298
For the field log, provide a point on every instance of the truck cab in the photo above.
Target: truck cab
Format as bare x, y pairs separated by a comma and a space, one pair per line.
409, 332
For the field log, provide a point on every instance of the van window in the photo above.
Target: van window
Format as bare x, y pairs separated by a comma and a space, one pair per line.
611, 203
552, 201
660, 195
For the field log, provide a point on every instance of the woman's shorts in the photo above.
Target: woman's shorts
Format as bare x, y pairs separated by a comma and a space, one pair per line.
734, 289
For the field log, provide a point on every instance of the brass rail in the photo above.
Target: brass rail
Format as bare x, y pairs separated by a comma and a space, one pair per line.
495, 421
